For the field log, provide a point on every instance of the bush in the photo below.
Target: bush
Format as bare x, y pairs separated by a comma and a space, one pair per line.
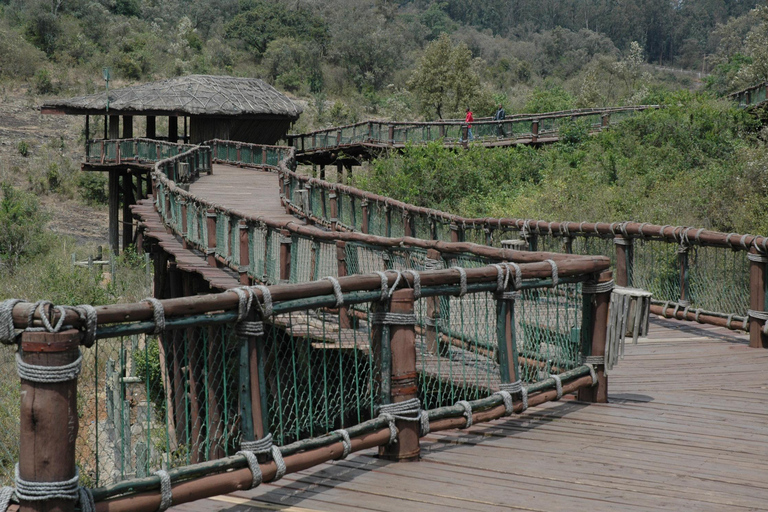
22, 227
23, 148
44, 83
93, 188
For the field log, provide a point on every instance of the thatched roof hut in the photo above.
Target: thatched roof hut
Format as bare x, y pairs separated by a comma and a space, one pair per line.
224, 107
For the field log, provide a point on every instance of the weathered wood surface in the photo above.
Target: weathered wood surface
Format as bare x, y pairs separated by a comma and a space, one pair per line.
686, 428
245, 190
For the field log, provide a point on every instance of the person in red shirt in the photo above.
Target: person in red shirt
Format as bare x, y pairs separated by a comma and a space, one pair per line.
468, 120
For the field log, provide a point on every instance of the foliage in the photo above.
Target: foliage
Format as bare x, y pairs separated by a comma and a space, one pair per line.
444, 80
22, 227
23, 148
93, 188
695, 162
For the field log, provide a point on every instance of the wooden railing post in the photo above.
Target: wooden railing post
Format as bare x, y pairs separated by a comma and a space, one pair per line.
184, 233
48, 417
407, 224
285, 255
334, 209
433, 306
605, 120
594, 330
245, 253
391, 134
210, 225
757, 297
364, 220
457, 233
682, 257
505, 336
341, 260
535, 130
624, 257
403, 376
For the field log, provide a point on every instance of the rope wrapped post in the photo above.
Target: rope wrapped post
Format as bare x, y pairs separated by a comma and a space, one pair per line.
48, 417
757, 298
341, 259
245, 254
594, 331
505, 336
534, 130
624, 257
403, 375
210, 226
285, 255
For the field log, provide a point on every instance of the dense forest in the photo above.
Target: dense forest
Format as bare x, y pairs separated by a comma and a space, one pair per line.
349, 59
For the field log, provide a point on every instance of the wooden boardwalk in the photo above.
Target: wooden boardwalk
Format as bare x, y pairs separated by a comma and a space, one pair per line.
686, 429
246, 190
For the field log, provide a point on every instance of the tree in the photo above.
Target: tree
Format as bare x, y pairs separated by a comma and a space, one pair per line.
444, 80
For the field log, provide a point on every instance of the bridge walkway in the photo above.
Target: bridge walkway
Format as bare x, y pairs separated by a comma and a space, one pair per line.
686, 429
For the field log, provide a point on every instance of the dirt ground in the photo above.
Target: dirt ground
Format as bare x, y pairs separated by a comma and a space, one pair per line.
20, 120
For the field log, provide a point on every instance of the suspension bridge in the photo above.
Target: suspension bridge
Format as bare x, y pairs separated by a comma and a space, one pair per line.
306, 339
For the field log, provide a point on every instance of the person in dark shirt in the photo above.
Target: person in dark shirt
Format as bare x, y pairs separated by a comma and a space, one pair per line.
499, 116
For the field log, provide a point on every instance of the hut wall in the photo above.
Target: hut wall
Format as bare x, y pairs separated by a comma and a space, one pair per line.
255, 131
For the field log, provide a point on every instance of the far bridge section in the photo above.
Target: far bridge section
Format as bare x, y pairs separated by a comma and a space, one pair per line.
349, 145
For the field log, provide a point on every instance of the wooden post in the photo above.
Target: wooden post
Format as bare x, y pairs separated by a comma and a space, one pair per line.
505, 336
594, 328
433, 313
210, 224
341, 259
245, 254
682, 257
535, 130
151, 127
364, 208
757, 298
114, 127
285, 255
173, 129
184, 233
114, 205
403, 379
407, 224
624, 254
334, 209
391, 134
388, 220
48, 417
605, 120
128, 200
457, 233
127, 127
87, 134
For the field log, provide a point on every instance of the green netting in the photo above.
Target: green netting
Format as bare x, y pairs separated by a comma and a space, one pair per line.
273, 256
656, 268
548, 330
319, 376
357, 214
258, 236
326, 262
718, 280
222, 234
146, 404
377, 219
302, 255
234, 240
346, 209
422, 227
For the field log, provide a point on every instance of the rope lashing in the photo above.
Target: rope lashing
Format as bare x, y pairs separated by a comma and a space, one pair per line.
166, 493
467, 411
757, 257
253, 465
244, 301
6, 494
622, 241
554, 272
524, 398
386, 291
41, 491
728, 239
88, 315
7, 329
509, 406
558, 386
416, 283
430, 264
423, 423
728, 322
264, 446
158, 313
592, 373
44, 318
742, 241
336, 290
247, 329
387, 318
346, 442
462, 280
266, 305
593, 360
760, 315
49, 374
640, 230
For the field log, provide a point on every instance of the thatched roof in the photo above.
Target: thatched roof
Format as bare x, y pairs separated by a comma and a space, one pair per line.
197, 95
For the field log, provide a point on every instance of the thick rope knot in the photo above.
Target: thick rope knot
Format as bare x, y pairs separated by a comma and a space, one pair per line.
47, 326
6, 494
467, 411
407, 410
554, 272
166, 493
592, 373
336, 290
253, 465
593, 360
597, 287
49, 374
392, 428
386, 291
264, 446
266, 305
558, 386
516, 387
760, 315
247, 329
244, 301
158, 314
42, 491
506, 397
757, 257
387, 318
423, 423
462, 280
346, 442
7, 329
416, 283
88, 315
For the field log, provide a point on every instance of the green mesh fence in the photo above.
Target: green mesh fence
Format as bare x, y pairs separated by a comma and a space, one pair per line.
656, 268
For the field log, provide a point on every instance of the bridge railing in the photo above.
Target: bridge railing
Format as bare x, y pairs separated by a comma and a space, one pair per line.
753, 95
528, 126
184, 384
694, 274
136, 150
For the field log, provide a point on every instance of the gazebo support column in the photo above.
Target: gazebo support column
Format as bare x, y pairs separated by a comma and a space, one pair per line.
173, 129
151, 127
127, 127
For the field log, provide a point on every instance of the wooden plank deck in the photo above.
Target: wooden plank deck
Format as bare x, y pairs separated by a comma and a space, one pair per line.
686, 429
246, 190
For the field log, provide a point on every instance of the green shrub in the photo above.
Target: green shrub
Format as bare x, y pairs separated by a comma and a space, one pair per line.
22, 226
92, 188
23, 148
